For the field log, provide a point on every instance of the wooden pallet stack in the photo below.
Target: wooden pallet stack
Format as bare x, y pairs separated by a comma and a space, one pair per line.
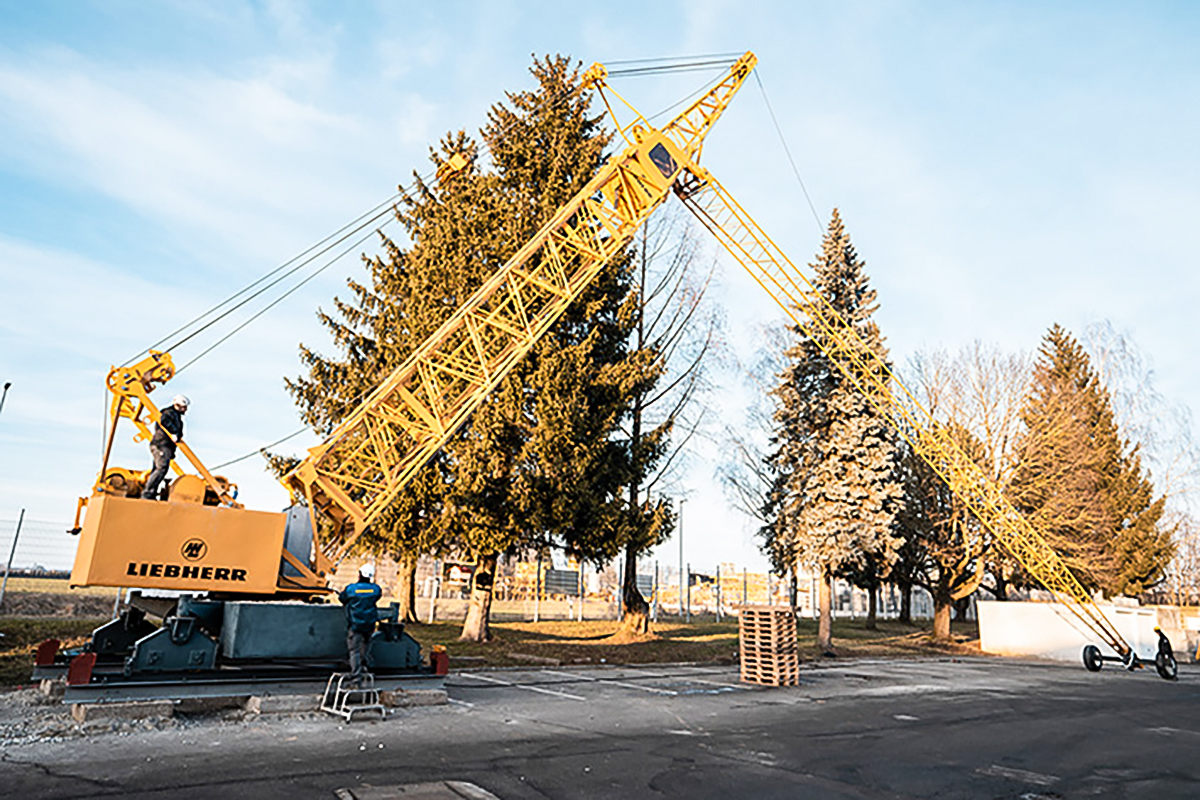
767, 645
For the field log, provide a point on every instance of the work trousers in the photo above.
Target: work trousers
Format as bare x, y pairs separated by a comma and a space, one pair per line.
357, 643
162, 462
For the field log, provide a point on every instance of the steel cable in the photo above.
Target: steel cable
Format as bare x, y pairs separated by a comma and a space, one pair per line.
306, 257
788, 152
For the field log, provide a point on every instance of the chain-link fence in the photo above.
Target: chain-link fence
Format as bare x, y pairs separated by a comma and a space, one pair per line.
42, 546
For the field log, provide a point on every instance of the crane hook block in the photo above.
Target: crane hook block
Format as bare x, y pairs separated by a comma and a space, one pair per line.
456, 163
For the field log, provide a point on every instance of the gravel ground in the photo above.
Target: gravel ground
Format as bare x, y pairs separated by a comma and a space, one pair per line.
28, 715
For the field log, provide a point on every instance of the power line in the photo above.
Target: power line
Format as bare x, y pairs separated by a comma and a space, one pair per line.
691, 66
293, 265
290, 267
304, 258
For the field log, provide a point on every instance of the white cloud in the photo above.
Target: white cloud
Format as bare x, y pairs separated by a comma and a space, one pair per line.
236, 165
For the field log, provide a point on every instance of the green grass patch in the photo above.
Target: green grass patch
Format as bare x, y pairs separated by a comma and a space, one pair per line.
522, 643
526, 643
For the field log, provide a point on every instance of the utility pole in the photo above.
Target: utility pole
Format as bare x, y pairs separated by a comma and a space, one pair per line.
11, 553
682, 577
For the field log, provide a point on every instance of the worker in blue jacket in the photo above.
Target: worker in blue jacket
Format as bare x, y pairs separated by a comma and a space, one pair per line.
360, 598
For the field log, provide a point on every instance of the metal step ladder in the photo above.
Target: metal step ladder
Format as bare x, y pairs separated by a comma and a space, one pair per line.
347, 695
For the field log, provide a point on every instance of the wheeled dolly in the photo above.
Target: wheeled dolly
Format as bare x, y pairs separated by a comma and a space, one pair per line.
1164, 660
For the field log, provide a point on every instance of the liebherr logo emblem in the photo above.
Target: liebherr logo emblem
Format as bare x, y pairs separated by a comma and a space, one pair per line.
193, 549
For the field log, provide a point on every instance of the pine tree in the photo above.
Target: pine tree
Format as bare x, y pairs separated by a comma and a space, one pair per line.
836, 492
1081, 483
1060, 470
540, 461
1140, 547
1144, 546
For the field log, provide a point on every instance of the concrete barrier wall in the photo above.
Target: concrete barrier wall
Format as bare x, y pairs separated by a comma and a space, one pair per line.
1050, 630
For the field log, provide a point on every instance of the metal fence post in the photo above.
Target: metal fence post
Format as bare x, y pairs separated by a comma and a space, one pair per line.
537, 589
581, 590
681, 504
11, 553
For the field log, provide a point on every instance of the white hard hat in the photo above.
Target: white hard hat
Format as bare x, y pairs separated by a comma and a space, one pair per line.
367, 570
180, 400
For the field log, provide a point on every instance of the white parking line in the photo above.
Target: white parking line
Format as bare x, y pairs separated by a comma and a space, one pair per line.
538, 689
715, 683
1020, 775
653, 689
622, 684
690, 677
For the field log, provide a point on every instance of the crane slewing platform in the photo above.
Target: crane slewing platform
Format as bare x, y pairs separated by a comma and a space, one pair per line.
347, 481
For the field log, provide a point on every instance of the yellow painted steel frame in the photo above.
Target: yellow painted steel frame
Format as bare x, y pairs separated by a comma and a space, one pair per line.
182, 544
749, 244
130, 387
352, 477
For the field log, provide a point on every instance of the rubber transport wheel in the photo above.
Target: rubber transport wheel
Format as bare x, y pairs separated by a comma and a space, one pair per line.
1091, 658
1165, 665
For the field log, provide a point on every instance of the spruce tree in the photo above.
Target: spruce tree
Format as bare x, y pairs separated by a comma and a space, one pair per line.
836, 492
409, 293
1060, 470
537, 462
1081, 482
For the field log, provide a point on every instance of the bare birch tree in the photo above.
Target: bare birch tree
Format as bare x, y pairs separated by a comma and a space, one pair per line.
676, 332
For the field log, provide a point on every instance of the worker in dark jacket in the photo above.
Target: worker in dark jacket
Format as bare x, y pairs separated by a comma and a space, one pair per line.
167, 432
361, 615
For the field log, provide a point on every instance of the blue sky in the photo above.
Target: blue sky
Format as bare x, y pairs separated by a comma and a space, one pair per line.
1001, 167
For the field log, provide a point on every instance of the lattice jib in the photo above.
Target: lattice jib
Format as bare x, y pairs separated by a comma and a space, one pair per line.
846, 350
367, 461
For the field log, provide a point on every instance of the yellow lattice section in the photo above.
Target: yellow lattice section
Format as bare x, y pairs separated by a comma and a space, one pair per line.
351, 478
750, 245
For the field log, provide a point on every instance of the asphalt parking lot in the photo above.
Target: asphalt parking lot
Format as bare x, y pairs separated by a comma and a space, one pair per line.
946, 728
